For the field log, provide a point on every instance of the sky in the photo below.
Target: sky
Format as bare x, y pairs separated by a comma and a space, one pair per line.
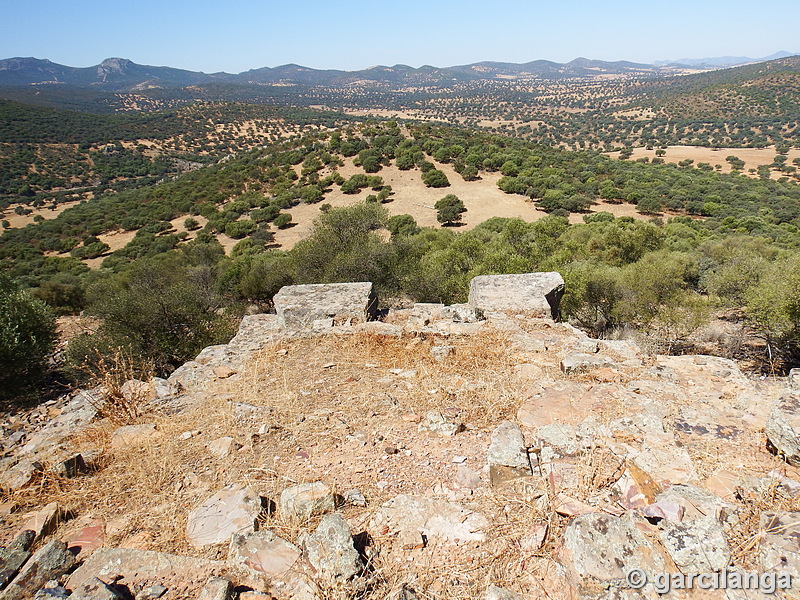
238, 35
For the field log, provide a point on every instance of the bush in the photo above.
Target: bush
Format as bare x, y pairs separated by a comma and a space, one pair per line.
164, 309
435, 178
27, 337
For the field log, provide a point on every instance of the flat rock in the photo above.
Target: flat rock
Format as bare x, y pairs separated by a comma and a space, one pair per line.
330, 549
779, 551
508, 453
411, 517
599, 548
14, 556
697, 546
76, 414
44, 521
560, 402
21, 474
264, 552
223, 447
298, 306
303, 501
783, 428
131, 436
51, 561
534, 294
497, 593
436, 422
94, 589
234, 509
216, 588
581, 362
182, 575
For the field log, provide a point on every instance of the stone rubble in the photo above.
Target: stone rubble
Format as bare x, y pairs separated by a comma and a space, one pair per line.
603, 453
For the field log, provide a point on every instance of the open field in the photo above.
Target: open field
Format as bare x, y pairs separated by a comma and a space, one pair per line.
752, 157
482, 198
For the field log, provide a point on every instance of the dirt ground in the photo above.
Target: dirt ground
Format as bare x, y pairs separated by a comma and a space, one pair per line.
482, 198
752, 157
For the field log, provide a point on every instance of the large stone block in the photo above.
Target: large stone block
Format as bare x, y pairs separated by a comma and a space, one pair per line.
536, 294
298, 306
783, 428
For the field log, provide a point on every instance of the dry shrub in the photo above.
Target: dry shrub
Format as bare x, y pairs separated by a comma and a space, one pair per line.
121, 378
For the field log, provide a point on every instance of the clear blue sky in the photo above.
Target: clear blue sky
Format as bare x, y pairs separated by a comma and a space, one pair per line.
237, 35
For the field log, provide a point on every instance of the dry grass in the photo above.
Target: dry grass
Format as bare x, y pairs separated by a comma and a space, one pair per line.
342, 409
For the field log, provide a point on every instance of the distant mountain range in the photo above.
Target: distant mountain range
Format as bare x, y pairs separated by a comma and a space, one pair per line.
118, 74
721, 61
123, 74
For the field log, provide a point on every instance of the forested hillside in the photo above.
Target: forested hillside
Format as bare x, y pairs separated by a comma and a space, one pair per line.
732, 241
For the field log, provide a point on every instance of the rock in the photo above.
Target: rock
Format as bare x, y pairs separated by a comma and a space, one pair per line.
794, 380
244, 413
580, 362
664, 461
534, 537
497, 593
354, 498
508, 455
183, 575
216, 588
255, 332
536, 294
224, 372
53, 591
21, 474
381, 328
412, 517
466, 479
234, 509
190, 375
264, 552
303, 501
298, 306
697, 546
696, 502
130, 436
94, 589
330, 549
163, 389
723, 483
560, 402
598, 549
76, 414
439, 353
43, 522
49, 562
152, 592
778, 551
72, 466
86, 540
436, 422
571, 507
14, 556
223, 447
636, 488
561, 438
461, 313
783, 428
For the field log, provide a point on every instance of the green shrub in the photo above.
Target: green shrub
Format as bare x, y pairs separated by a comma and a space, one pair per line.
27, 336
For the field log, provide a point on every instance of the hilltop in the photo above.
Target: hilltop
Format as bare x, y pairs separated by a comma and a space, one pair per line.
444, 452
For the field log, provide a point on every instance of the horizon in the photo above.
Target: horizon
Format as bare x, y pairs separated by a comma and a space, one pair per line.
663, 62
247, 35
